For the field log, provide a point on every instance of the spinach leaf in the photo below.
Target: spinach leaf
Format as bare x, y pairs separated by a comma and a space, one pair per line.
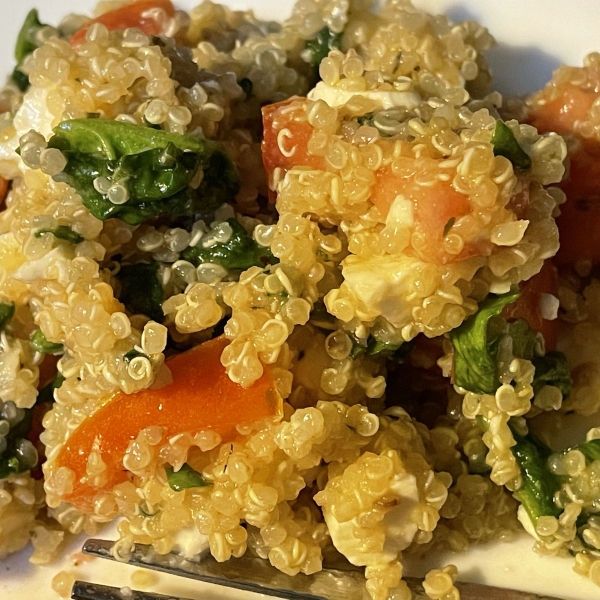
373, 347
155, 167
185, 478
20, 79
133, 353
505, 144
317, 48
536, 493
591, 450
552, 369
11, 461
475, 355
141, 291
7, 310
239, 252
62, 232
47, 392
524, 339
320, 317
25, 45
40, 343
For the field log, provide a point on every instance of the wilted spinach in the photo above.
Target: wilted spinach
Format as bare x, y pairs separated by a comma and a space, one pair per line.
318, 47
26, 44
156, 168
239, 252
141, 291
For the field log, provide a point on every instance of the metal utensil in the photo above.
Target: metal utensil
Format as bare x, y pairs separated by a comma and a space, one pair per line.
254, 574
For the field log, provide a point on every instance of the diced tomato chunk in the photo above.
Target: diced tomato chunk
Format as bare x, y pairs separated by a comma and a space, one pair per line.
139, 14
528, 305
579, 222
286, 133
436, 208
562, 113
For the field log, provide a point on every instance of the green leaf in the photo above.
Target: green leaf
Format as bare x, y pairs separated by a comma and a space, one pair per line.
370, 121
111, 140
141, 291
62, 232
591, 450
20, 79
246, 85
505, 144
7, 310
552, 369
9, 459
524, 339
25, 45
239, 252
375, 348
39, 343
46, 394
8, 465
536, 493
133, 353
155, 166
26, 39
185, 478
317, 48
145, 512
475, 356
320, 317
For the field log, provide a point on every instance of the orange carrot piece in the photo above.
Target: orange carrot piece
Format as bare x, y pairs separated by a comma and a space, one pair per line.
131, 15
200, 397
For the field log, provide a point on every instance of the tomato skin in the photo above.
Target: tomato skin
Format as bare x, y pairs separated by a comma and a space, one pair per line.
527, 305
131, 15
200, 397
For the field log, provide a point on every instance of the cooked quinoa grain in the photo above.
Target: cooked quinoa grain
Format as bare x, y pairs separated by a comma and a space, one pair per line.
287, 288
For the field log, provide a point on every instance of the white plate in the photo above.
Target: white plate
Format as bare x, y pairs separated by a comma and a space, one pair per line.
534, 38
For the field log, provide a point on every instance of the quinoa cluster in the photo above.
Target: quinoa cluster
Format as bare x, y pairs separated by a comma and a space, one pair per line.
373, 214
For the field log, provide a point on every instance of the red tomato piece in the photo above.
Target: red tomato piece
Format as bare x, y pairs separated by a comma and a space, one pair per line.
528, 305
138, 14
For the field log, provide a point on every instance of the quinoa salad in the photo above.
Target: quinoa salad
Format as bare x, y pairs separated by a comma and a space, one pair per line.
307, 289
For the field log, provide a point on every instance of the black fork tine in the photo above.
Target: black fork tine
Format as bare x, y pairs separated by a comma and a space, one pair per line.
82, 590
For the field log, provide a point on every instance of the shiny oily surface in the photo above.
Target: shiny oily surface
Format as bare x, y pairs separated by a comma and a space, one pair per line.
560, 34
